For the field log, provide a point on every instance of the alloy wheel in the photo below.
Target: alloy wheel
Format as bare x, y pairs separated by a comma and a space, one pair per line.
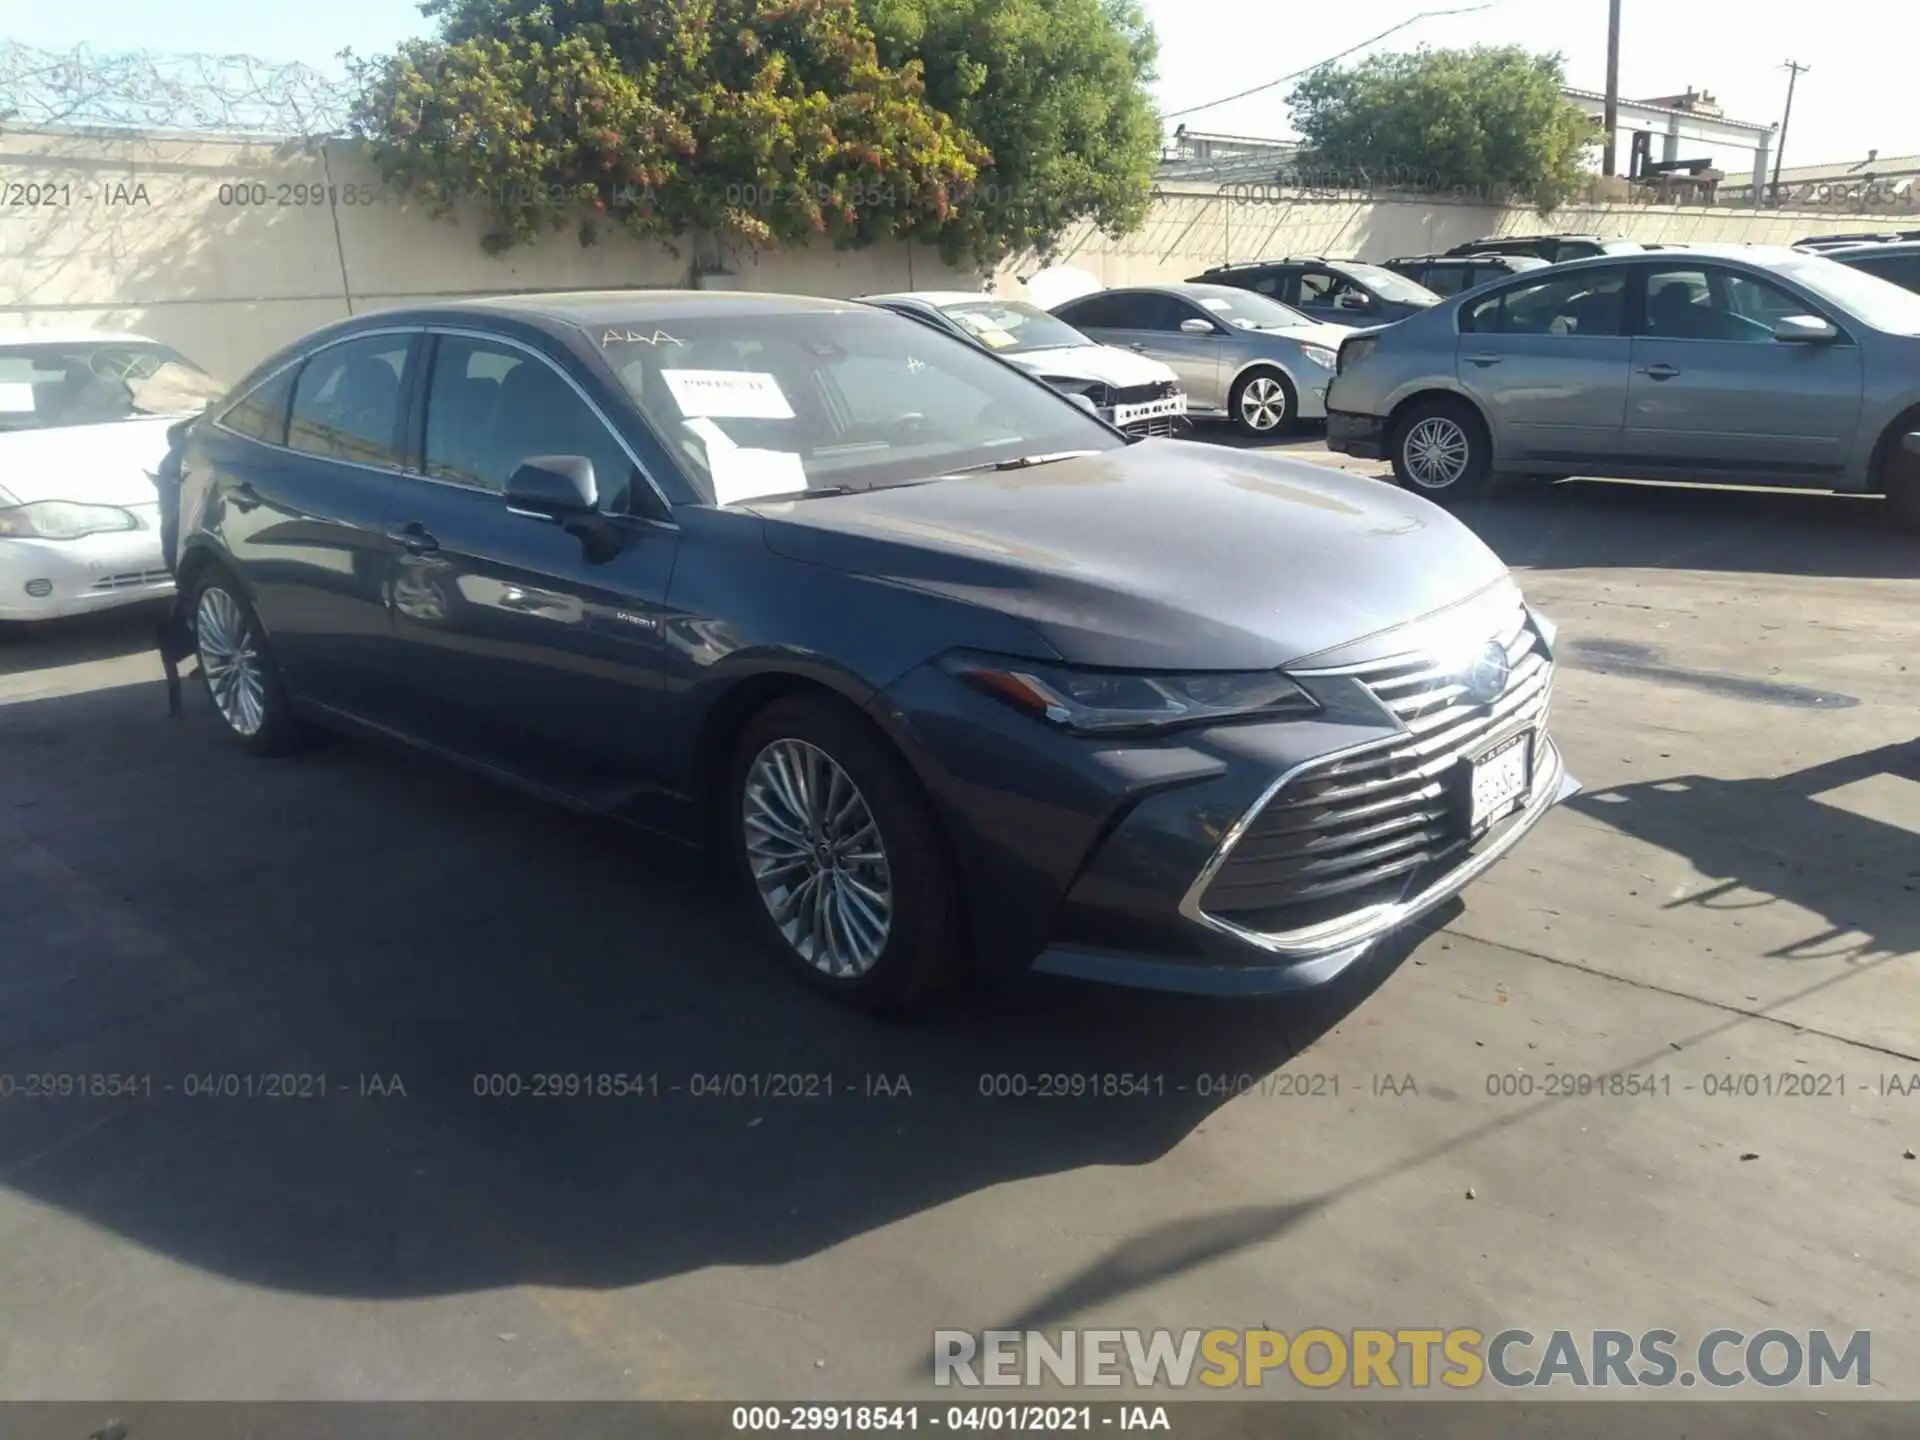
231, 661
817, 858
1263, 403
1436, 452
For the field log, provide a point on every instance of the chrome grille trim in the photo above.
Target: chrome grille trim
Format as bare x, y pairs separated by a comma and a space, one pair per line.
132, 579
1376, 813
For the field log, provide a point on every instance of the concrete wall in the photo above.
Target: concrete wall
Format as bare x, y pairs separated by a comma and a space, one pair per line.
1189, 230
159, 236
227, 249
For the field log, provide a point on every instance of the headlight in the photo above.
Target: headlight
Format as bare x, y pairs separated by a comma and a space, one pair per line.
1320, 356
61, 520
1106, 702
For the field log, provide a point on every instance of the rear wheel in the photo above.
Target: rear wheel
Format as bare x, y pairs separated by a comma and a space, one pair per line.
1263, 403
237, 664
1903, 481
833, 840
1441, 450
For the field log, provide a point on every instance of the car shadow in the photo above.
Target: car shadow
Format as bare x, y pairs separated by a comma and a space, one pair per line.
108, 635
207, 929
1590, 524
1773, 839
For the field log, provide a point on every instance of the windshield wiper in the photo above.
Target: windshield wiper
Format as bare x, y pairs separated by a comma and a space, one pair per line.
1022, 462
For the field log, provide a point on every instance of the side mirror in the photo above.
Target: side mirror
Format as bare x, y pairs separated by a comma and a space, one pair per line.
1351, 301
553, 487
1196, 326
1804, 329
1085, 403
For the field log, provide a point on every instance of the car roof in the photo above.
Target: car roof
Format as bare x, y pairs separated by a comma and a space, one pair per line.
621, 307
1867, 248
1458, 259
1188, 288
939, 298
72, 335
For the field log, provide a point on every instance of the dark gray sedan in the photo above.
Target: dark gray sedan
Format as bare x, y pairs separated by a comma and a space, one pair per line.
956, 675
1737, 363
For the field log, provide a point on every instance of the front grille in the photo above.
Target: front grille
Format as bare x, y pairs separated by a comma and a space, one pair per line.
132, 579
1164, 426
1139, 394
1365, 830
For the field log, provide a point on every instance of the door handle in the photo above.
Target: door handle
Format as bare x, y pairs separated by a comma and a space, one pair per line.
1661, 371
245, 497
1140, 345
1483, 360
414, 538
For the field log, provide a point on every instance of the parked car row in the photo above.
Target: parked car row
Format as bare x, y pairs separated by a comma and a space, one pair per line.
957, 674
1737, 362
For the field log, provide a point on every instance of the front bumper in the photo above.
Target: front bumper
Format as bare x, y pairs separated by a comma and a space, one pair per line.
1240, 859
1364, 436
51, 579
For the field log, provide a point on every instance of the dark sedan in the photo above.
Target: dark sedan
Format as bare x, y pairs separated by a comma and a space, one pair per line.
957, 675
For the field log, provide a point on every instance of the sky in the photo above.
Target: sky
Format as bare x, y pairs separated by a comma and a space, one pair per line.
1857, 96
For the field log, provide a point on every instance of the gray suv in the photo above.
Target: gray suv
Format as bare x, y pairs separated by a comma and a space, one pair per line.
1731, 363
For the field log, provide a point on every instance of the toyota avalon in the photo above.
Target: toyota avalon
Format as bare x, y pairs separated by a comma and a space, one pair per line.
955, 674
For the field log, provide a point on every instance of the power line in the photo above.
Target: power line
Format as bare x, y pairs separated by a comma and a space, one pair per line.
1411, 20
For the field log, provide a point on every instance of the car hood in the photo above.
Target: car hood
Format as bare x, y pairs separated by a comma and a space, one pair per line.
1162, 554
1328, 337
1105, 363
87, 464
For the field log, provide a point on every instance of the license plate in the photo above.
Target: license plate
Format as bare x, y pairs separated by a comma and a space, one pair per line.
1499, 780
1150, 410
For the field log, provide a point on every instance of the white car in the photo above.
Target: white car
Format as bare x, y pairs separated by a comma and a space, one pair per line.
83, 425
1131, 392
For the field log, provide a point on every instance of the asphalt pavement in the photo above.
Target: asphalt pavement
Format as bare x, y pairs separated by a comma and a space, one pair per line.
314, 971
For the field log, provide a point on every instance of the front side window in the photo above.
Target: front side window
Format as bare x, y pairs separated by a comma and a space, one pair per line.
1585, 303
347, 401
261, 414
491, 406
765, 404
49, 386
1698, 302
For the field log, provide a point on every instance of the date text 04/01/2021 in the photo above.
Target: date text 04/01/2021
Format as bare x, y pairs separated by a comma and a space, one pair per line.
843, 1419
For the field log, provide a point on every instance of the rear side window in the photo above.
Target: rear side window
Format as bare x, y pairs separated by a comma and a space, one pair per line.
1109, 312
348, 400
1903, 270
1452, 279
261, 414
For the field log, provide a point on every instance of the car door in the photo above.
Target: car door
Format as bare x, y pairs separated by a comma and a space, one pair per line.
307, 467
1547, 361
526, 644
1148, 322
1713, 391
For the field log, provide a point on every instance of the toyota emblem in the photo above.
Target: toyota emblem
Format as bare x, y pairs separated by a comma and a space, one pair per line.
1486, 678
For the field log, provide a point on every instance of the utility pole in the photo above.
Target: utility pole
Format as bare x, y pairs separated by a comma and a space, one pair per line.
1612, 121
1794, 67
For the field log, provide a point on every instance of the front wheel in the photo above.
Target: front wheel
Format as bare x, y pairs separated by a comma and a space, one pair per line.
835, 844
1263, 404
1441, 450
238, 667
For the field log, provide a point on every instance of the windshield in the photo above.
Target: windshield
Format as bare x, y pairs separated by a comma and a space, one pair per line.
759, 405
1881, 303
1248, 311
1389, 285
48, 386
1013, 326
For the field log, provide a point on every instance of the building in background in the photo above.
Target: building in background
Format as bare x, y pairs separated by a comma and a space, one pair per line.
1688, 127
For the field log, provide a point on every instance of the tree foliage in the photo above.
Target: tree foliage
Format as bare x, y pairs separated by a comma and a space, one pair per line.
1057, 91
1490, 117
757, 120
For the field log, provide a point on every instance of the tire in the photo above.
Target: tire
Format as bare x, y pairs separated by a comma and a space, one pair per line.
1264, 404
236, 663
1903, 486
912, 949
1441, 450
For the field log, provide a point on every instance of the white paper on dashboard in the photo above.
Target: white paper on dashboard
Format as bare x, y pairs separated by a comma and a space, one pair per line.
16, 398
711, 435
740, 473
727, 394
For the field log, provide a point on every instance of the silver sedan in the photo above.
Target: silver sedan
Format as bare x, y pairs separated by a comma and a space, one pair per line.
1239, 356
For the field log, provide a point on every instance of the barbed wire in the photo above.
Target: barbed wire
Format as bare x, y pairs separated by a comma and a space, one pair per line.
141, 90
